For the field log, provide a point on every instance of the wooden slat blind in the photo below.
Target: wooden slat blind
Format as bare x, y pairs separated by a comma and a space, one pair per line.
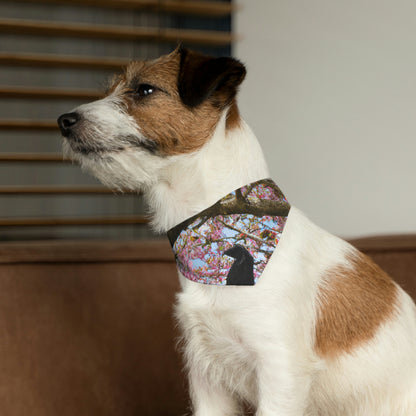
202, 8
28, 125
56, 190
173, 36
56, 61
49, 93
36, 222
20, 125
32, 157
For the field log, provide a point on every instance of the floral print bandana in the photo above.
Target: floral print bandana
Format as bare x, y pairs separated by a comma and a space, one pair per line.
231, 242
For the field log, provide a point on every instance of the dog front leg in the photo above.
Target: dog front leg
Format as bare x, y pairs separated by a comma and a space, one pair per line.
210, 399
283, 387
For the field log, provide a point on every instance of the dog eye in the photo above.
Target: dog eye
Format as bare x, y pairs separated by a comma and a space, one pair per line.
143, 90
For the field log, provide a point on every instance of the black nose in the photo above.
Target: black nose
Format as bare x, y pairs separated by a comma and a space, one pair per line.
67, 121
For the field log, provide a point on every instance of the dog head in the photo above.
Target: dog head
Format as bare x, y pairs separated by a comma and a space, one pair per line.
154, 111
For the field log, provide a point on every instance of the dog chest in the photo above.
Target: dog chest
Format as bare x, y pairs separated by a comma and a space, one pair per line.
213, 342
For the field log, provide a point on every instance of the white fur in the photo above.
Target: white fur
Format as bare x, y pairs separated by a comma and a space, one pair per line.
210, 174
108, 121
257, 343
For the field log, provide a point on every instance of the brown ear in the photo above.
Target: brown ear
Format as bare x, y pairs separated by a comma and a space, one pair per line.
202, 77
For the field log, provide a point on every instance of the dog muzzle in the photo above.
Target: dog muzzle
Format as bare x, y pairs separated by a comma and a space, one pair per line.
231, 242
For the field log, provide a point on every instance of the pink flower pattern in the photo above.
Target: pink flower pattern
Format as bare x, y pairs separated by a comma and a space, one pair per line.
199, 248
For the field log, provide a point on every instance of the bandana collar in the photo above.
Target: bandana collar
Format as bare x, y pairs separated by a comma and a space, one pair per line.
231, 242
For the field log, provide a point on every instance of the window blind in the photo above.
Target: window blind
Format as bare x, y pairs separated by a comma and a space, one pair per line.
55, 55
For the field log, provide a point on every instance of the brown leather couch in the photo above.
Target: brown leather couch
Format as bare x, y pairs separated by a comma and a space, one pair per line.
86, 328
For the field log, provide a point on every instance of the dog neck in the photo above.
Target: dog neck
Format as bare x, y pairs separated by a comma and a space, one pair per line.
191, 183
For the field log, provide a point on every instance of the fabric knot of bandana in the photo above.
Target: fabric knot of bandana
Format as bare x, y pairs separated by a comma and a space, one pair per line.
231, 242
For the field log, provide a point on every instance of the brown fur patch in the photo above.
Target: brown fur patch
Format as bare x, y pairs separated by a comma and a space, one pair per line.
353, 303
162, 117
233, 116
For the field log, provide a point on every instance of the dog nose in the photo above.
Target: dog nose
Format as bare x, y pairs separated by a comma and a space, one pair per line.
67, 121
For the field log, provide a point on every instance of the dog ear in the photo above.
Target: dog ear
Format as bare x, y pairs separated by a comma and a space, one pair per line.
202, 77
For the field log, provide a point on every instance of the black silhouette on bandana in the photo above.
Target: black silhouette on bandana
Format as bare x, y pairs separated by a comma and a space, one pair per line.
241, 272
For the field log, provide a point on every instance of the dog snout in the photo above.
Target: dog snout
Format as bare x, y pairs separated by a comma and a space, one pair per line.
67, 122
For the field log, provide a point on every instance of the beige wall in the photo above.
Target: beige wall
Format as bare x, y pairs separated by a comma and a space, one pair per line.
331, 95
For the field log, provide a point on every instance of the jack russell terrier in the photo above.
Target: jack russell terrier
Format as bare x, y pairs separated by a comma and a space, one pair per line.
275, 312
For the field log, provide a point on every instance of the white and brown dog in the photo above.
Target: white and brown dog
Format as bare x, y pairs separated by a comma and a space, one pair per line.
324, 331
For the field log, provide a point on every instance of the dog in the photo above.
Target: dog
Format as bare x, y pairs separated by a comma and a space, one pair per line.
323, 331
